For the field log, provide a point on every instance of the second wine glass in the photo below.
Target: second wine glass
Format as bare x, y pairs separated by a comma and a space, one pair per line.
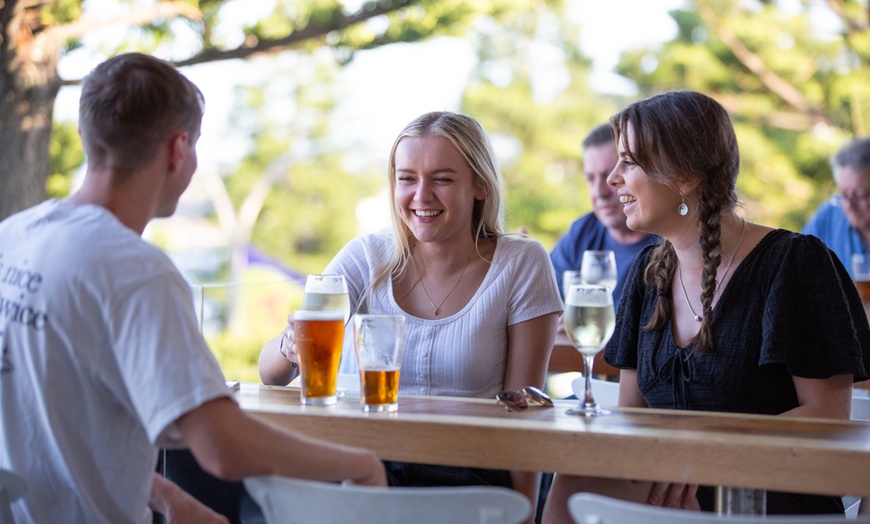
589, 324
599, 267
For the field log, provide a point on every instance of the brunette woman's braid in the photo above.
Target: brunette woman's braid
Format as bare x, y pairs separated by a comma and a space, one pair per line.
659, 274
709, 208
677, 138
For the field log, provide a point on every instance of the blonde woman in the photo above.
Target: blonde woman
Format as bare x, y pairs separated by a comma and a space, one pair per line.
481, 307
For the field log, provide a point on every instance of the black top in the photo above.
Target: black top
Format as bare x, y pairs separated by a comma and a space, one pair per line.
790, 309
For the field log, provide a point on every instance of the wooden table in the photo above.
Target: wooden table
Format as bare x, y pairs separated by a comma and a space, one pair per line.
747, 451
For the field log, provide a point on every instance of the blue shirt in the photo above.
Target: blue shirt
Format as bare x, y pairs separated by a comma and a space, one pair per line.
831, 226
588, 233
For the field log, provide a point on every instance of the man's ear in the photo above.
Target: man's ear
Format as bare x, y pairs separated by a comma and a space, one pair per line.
177, 150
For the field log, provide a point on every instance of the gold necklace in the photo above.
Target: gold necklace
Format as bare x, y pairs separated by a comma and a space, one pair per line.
437, 308
696, 316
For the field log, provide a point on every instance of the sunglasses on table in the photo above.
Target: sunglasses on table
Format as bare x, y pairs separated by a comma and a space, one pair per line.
522, 399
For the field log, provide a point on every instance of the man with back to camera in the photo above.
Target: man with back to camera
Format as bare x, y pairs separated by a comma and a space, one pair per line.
843, 221
102, 358
604, 228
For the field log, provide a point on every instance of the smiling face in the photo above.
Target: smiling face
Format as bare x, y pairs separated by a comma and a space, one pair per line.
649, 206
435, 189
598, 161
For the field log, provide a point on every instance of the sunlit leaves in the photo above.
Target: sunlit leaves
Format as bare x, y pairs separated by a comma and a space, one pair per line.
60, 12
66, 157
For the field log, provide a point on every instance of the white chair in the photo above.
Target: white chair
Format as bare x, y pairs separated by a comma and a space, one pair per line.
589, 508
606, 393
293, 501
860, 408
12, 487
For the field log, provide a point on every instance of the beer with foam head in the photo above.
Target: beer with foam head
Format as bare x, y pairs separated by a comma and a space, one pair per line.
319, 336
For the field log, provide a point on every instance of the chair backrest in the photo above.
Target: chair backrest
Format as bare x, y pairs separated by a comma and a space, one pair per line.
284, 501
606, 393
589, 508
860, 408
12, 487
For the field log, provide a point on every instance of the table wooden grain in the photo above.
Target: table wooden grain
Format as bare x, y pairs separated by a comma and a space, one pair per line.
748, 451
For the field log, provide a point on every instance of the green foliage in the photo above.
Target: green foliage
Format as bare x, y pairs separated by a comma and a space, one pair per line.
544, 181
60, 12
794, 94
237, 356
67, 156
265, 301
309, 213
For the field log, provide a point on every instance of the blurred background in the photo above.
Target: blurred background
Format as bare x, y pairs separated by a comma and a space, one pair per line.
305, 97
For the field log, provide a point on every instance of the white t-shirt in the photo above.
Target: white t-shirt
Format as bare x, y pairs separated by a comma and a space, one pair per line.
464, 354
101, 353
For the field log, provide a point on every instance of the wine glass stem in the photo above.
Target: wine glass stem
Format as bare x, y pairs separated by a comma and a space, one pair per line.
589, 360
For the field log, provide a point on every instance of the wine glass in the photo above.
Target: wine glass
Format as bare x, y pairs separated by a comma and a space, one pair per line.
589, 323
570, 277
326, 293
599, 267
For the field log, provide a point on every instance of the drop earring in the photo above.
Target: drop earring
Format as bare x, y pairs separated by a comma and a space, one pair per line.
683, 210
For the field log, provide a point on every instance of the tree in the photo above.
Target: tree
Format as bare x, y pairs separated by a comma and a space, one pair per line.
545, 186
34, 35
795, 93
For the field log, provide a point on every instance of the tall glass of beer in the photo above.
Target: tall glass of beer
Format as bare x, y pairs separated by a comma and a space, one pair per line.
319, 336
379, 342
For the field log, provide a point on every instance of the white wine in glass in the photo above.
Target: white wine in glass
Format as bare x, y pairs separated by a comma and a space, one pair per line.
589, 323
599, 267
326, 293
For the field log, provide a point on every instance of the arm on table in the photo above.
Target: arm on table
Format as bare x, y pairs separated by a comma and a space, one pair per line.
275, 368
232, 445
823, 397
529, 347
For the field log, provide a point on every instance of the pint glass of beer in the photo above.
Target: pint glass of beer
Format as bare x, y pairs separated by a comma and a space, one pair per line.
379, 342
319, 336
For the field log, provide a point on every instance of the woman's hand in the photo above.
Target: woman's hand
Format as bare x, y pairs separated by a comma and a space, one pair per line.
679, 496
278, 363
286, 342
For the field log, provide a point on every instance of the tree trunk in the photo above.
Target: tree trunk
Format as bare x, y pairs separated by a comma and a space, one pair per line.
28, 87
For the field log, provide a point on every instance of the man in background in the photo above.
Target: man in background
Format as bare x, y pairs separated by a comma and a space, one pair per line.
102, 358
843, 221
604, 228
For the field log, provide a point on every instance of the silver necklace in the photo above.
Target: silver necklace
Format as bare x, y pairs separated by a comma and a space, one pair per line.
697, 317
437, 309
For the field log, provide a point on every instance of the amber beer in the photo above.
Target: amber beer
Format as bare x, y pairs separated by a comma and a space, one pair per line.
319, 336
864, 290
380, 389
379, 342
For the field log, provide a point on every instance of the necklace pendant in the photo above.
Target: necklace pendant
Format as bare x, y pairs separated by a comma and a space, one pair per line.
697, 318
436, 311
